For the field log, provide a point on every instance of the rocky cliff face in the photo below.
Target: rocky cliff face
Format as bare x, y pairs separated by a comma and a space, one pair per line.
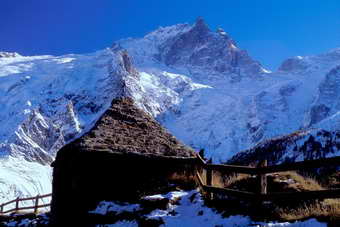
194, 48
200, 47
327, 100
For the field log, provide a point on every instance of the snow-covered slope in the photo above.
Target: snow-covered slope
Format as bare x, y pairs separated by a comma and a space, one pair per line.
196, 82
313, 107
47, 101
184, 208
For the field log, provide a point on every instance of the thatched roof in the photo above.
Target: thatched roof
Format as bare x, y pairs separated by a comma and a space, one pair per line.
125, 129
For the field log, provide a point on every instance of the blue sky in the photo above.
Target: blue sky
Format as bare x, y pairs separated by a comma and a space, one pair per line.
270, 30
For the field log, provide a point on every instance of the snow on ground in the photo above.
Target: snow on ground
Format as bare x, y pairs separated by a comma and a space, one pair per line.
41, 220
21, 178
184, 209
234, 221
190, 211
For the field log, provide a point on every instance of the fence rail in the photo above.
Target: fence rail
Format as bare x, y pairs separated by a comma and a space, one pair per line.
17, 201
261, 171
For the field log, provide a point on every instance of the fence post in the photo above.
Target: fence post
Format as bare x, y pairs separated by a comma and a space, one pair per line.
36, 204
263, 178
209, 181
17, 204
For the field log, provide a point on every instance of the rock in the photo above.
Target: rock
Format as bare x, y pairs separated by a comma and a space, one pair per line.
8, 54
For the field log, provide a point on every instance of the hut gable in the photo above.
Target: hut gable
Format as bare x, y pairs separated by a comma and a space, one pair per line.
124, 128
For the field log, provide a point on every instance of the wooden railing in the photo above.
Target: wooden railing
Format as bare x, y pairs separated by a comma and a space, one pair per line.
35, 207
261, 171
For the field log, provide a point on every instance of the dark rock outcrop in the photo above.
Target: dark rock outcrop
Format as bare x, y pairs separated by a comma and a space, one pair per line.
203, 48
293, 64
4, 54
327, 100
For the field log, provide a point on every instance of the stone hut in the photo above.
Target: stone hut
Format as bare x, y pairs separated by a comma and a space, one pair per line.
125, 155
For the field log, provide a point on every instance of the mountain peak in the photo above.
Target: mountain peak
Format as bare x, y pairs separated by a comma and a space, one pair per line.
200, 20
221, 32
201, 25
193, 46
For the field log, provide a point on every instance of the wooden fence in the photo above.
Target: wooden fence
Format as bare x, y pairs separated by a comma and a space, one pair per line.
207, 186
35, 207
261, 172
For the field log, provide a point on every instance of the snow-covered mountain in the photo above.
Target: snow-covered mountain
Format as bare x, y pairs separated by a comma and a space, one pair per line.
196, 82
241, 105
46, 102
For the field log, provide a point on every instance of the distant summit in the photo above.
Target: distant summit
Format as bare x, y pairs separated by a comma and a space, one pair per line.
4, 54
195, 46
